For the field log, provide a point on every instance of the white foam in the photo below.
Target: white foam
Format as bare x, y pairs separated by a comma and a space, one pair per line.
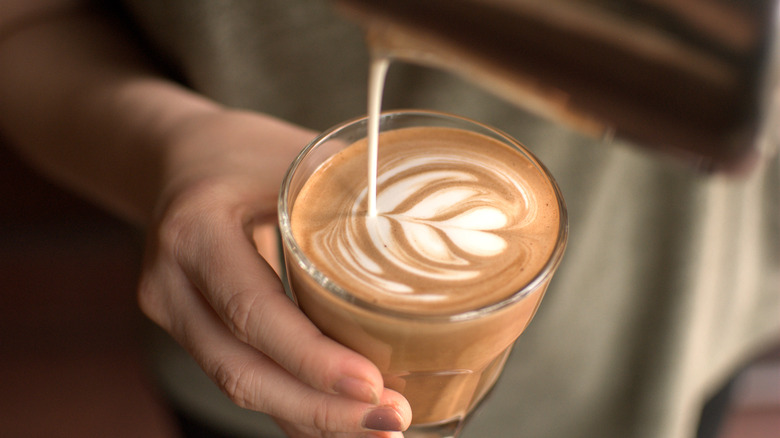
428, 243
440, 202
396, 193
479, 243
479, 218
380, 231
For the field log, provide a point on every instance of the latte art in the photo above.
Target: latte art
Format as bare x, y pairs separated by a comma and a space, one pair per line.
433, 223
458, 220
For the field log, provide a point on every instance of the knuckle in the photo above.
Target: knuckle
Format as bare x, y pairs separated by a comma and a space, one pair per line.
239, 382
148, 299
239, 309
186, 215
153, 293
321, 418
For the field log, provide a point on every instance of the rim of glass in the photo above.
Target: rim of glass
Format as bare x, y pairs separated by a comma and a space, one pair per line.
297, 255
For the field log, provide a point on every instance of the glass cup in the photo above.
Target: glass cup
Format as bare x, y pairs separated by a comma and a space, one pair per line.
443, 364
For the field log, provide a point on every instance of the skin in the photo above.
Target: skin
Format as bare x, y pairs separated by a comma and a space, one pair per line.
80, 101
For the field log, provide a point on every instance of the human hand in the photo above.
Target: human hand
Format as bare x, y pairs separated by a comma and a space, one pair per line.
205, 283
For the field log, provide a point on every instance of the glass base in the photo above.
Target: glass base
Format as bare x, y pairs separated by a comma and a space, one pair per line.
449, 429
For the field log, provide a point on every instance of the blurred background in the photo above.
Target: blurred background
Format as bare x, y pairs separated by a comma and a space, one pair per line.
71, 353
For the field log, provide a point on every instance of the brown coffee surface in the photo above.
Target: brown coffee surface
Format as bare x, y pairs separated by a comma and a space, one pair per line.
464, 221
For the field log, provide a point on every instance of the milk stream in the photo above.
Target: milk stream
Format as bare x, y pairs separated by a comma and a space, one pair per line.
376, 81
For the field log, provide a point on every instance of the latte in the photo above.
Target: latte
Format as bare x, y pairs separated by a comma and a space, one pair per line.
437, 285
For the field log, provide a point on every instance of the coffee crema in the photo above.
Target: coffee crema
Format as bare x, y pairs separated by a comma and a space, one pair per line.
463, 221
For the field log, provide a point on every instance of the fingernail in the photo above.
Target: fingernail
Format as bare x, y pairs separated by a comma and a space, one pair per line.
357, 389
383, 418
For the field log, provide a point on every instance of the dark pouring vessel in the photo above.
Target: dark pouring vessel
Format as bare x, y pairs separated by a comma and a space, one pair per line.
697, 78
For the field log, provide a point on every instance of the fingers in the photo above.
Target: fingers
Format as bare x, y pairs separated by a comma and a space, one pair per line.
227, 307
253, 381
251, 302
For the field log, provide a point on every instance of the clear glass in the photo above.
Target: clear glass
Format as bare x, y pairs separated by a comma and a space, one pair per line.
463, 353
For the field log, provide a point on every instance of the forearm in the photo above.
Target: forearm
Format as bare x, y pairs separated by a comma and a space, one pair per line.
79, 100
